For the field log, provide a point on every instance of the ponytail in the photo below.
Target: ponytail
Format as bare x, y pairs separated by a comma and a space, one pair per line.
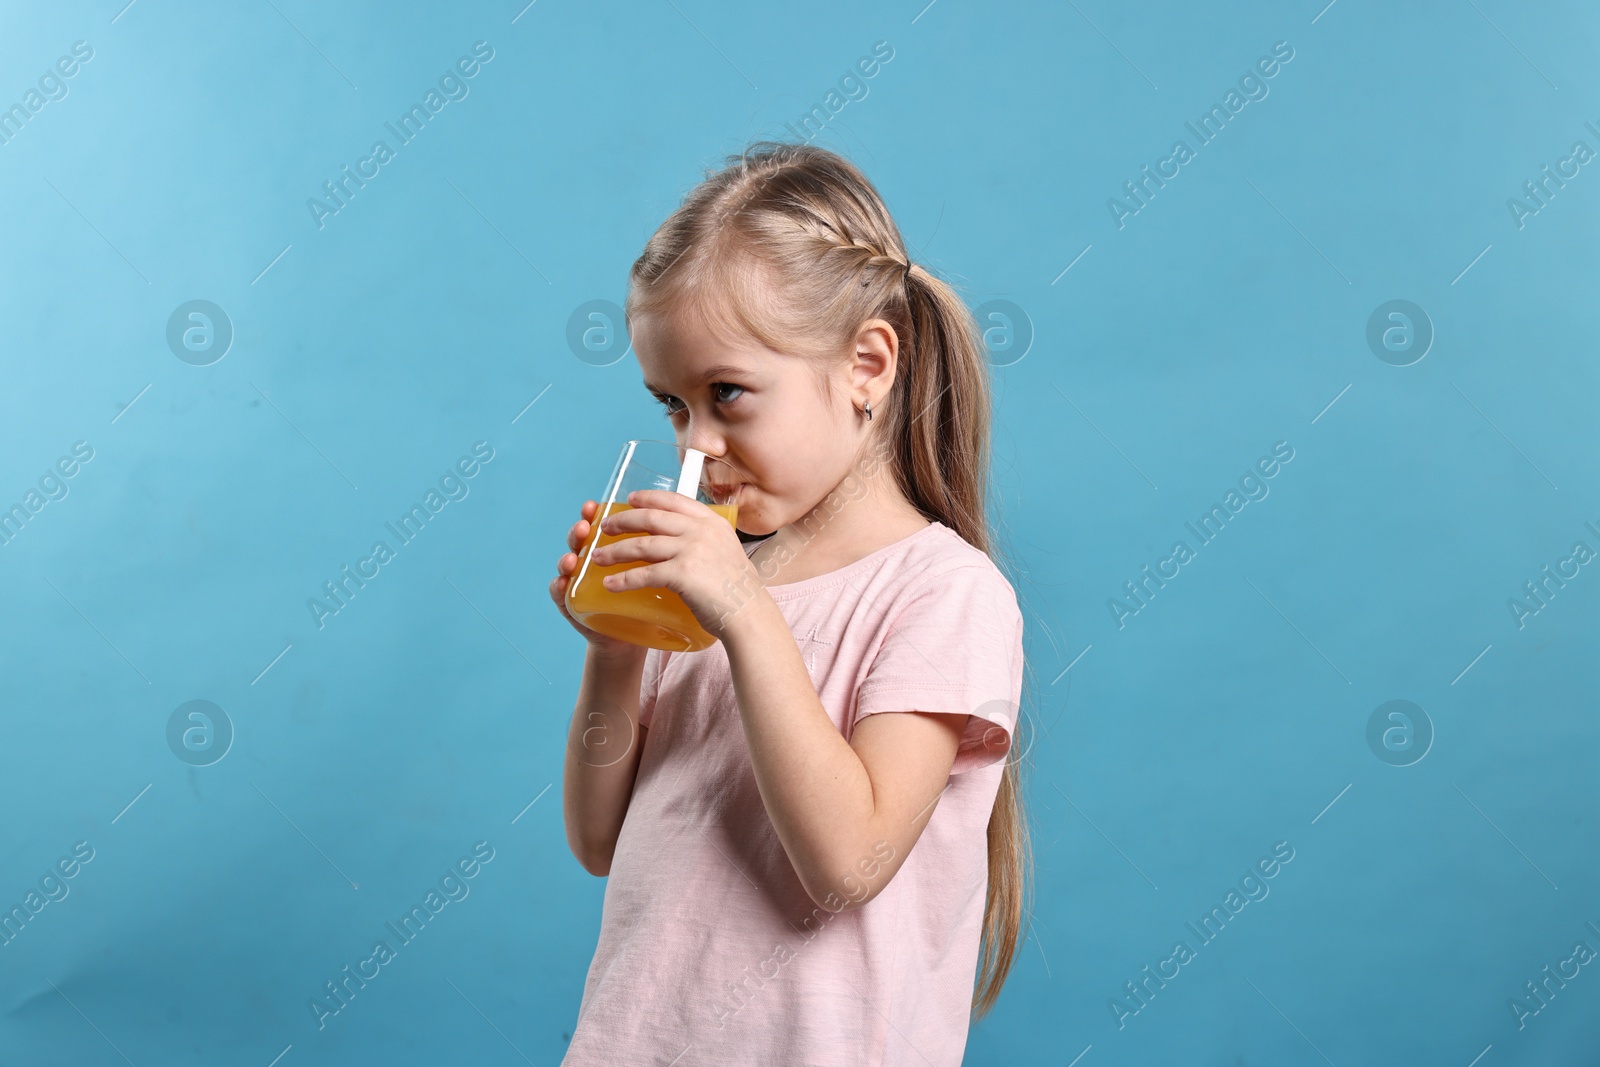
941, 447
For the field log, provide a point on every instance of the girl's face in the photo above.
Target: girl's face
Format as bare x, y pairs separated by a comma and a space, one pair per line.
762, 411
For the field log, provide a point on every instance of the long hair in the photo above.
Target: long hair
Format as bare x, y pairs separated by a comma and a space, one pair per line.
803, 222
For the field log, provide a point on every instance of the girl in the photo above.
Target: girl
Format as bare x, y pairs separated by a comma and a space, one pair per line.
810, 826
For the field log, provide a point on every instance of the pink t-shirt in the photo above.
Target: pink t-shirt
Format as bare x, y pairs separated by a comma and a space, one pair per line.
710, 951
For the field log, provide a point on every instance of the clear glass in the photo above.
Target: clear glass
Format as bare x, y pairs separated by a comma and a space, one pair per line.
652, 617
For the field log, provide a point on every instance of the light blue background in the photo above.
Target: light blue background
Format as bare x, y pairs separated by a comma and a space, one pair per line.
430, 313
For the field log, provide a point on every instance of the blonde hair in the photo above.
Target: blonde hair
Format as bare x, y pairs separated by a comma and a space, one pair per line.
803, 222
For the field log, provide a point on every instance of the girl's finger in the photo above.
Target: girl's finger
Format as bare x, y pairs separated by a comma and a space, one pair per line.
645, 520
637, 578
646, 548
659, 499
575, 536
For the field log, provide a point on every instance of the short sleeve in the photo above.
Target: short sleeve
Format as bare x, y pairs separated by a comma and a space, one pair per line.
650, 684
954, 646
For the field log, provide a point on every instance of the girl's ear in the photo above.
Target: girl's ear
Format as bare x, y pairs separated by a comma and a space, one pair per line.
877, 351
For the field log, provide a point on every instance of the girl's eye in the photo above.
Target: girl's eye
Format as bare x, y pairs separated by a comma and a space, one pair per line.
668, 401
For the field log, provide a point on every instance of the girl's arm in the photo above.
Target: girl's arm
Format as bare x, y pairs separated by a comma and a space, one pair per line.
847, 812
603, 747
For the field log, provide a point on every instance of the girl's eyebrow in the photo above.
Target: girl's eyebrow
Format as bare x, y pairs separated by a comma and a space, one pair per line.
708, 374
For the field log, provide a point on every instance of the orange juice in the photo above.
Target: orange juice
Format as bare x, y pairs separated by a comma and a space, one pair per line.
652, 617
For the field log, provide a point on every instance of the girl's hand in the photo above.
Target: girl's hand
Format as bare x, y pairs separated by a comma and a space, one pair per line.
690, 549
565, 566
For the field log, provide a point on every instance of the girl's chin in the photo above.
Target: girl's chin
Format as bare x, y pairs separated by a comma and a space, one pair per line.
753, 524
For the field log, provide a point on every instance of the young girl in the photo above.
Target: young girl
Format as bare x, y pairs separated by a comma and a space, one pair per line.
810, 826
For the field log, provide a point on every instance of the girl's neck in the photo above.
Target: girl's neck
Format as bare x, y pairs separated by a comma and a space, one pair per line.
837, 532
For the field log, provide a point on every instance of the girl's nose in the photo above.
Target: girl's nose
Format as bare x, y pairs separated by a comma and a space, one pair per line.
706, 440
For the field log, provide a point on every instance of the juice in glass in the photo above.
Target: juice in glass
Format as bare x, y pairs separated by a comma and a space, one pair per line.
654, 618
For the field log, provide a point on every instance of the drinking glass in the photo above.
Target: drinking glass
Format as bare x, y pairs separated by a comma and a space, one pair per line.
652, 617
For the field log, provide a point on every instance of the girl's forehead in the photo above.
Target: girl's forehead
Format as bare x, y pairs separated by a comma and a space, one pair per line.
677, 349
695, 325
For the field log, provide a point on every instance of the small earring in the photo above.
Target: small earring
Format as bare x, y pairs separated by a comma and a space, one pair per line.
869, 411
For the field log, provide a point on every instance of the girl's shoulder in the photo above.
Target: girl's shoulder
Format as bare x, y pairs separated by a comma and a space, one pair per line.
940, 564
940, 549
